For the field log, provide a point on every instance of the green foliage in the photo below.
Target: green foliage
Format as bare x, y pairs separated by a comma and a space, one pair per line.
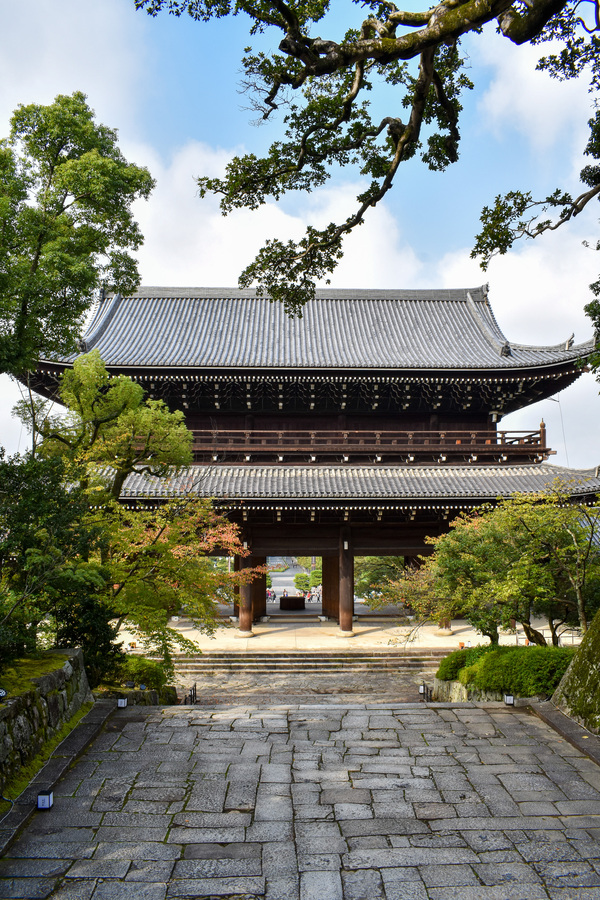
323, 85
159, 560
66, 226
84, 620
523, 671
15, 637
316, 577
532, 555
145, 671
92, 566
110, 431
46, 544
451, 665
302, 581
371, 572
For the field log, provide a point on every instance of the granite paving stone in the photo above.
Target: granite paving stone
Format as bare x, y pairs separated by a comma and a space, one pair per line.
154, 871
322, 802
122, 890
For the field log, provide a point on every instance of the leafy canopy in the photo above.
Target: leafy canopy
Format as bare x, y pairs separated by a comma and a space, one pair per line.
110, 431
531, 556
66, 226
323, 86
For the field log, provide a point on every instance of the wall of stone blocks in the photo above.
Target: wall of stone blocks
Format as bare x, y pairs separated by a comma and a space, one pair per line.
31, 718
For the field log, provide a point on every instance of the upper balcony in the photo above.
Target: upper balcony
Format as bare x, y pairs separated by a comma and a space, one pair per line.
306, 447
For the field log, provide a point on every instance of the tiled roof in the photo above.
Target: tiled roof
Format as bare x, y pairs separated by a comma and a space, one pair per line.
367, 483
226, 328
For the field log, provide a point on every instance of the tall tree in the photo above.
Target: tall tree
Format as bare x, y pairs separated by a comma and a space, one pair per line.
323, 85
66, 226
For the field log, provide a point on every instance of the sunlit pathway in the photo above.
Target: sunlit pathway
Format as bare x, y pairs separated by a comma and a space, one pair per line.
405, 802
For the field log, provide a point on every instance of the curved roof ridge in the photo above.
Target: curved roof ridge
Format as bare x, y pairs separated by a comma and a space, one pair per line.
562, 345
215, 328
100, 322
498, 341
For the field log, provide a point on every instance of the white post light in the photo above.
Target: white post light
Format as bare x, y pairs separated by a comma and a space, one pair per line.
45, 799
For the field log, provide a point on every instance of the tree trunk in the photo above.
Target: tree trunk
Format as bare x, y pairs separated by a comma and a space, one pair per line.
533, 635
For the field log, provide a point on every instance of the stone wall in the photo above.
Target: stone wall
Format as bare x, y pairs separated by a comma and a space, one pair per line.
455, 692
30, 719
578, 694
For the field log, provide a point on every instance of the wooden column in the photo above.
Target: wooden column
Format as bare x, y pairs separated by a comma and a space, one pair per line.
245, 624
259, 590
331, 587
236, 587
346, 557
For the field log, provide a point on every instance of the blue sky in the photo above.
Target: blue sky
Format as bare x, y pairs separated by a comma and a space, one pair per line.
170, 86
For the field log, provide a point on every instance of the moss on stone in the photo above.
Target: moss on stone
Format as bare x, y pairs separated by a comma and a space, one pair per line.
29, 770
578, 694
17, 678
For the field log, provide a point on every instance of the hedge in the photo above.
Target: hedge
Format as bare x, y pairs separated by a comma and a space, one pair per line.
522, 671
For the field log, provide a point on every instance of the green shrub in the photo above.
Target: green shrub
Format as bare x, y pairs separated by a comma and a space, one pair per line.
302, 581
523, 671
316, 577
451, 665
144, 671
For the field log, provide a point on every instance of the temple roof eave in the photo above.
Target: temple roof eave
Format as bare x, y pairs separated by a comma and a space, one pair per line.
365, 484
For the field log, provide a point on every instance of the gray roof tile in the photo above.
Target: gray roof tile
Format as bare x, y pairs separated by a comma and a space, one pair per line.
367, 483
227, 328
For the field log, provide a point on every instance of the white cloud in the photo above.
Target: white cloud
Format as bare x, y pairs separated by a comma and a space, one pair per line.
542, 109
50, 48
13, 436
189, 242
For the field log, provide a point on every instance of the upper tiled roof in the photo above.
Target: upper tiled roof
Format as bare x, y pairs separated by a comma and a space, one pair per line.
226, 328
366, 483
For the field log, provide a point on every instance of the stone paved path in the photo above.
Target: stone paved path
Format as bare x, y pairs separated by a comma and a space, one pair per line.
349, 802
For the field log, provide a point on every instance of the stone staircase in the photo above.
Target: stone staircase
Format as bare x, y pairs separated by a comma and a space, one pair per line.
306, 662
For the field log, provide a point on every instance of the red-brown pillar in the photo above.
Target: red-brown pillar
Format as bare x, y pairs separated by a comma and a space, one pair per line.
346, 557
330, 599
259, 590
236, 587
245, 623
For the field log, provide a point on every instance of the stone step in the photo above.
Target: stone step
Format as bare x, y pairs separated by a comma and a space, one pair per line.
320, 654
316, 663
281, 666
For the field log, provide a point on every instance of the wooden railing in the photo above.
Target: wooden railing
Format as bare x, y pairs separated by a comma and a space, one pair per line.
283, 446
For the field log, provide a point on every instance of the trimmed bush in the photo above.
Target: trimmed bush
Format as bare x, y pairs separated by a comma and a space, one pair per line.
451, 665
302, 581
522, 671
144, 671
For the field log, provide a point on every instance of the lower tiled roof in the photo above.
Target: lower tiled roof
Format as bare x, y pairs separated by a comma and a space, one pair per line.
366, 483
